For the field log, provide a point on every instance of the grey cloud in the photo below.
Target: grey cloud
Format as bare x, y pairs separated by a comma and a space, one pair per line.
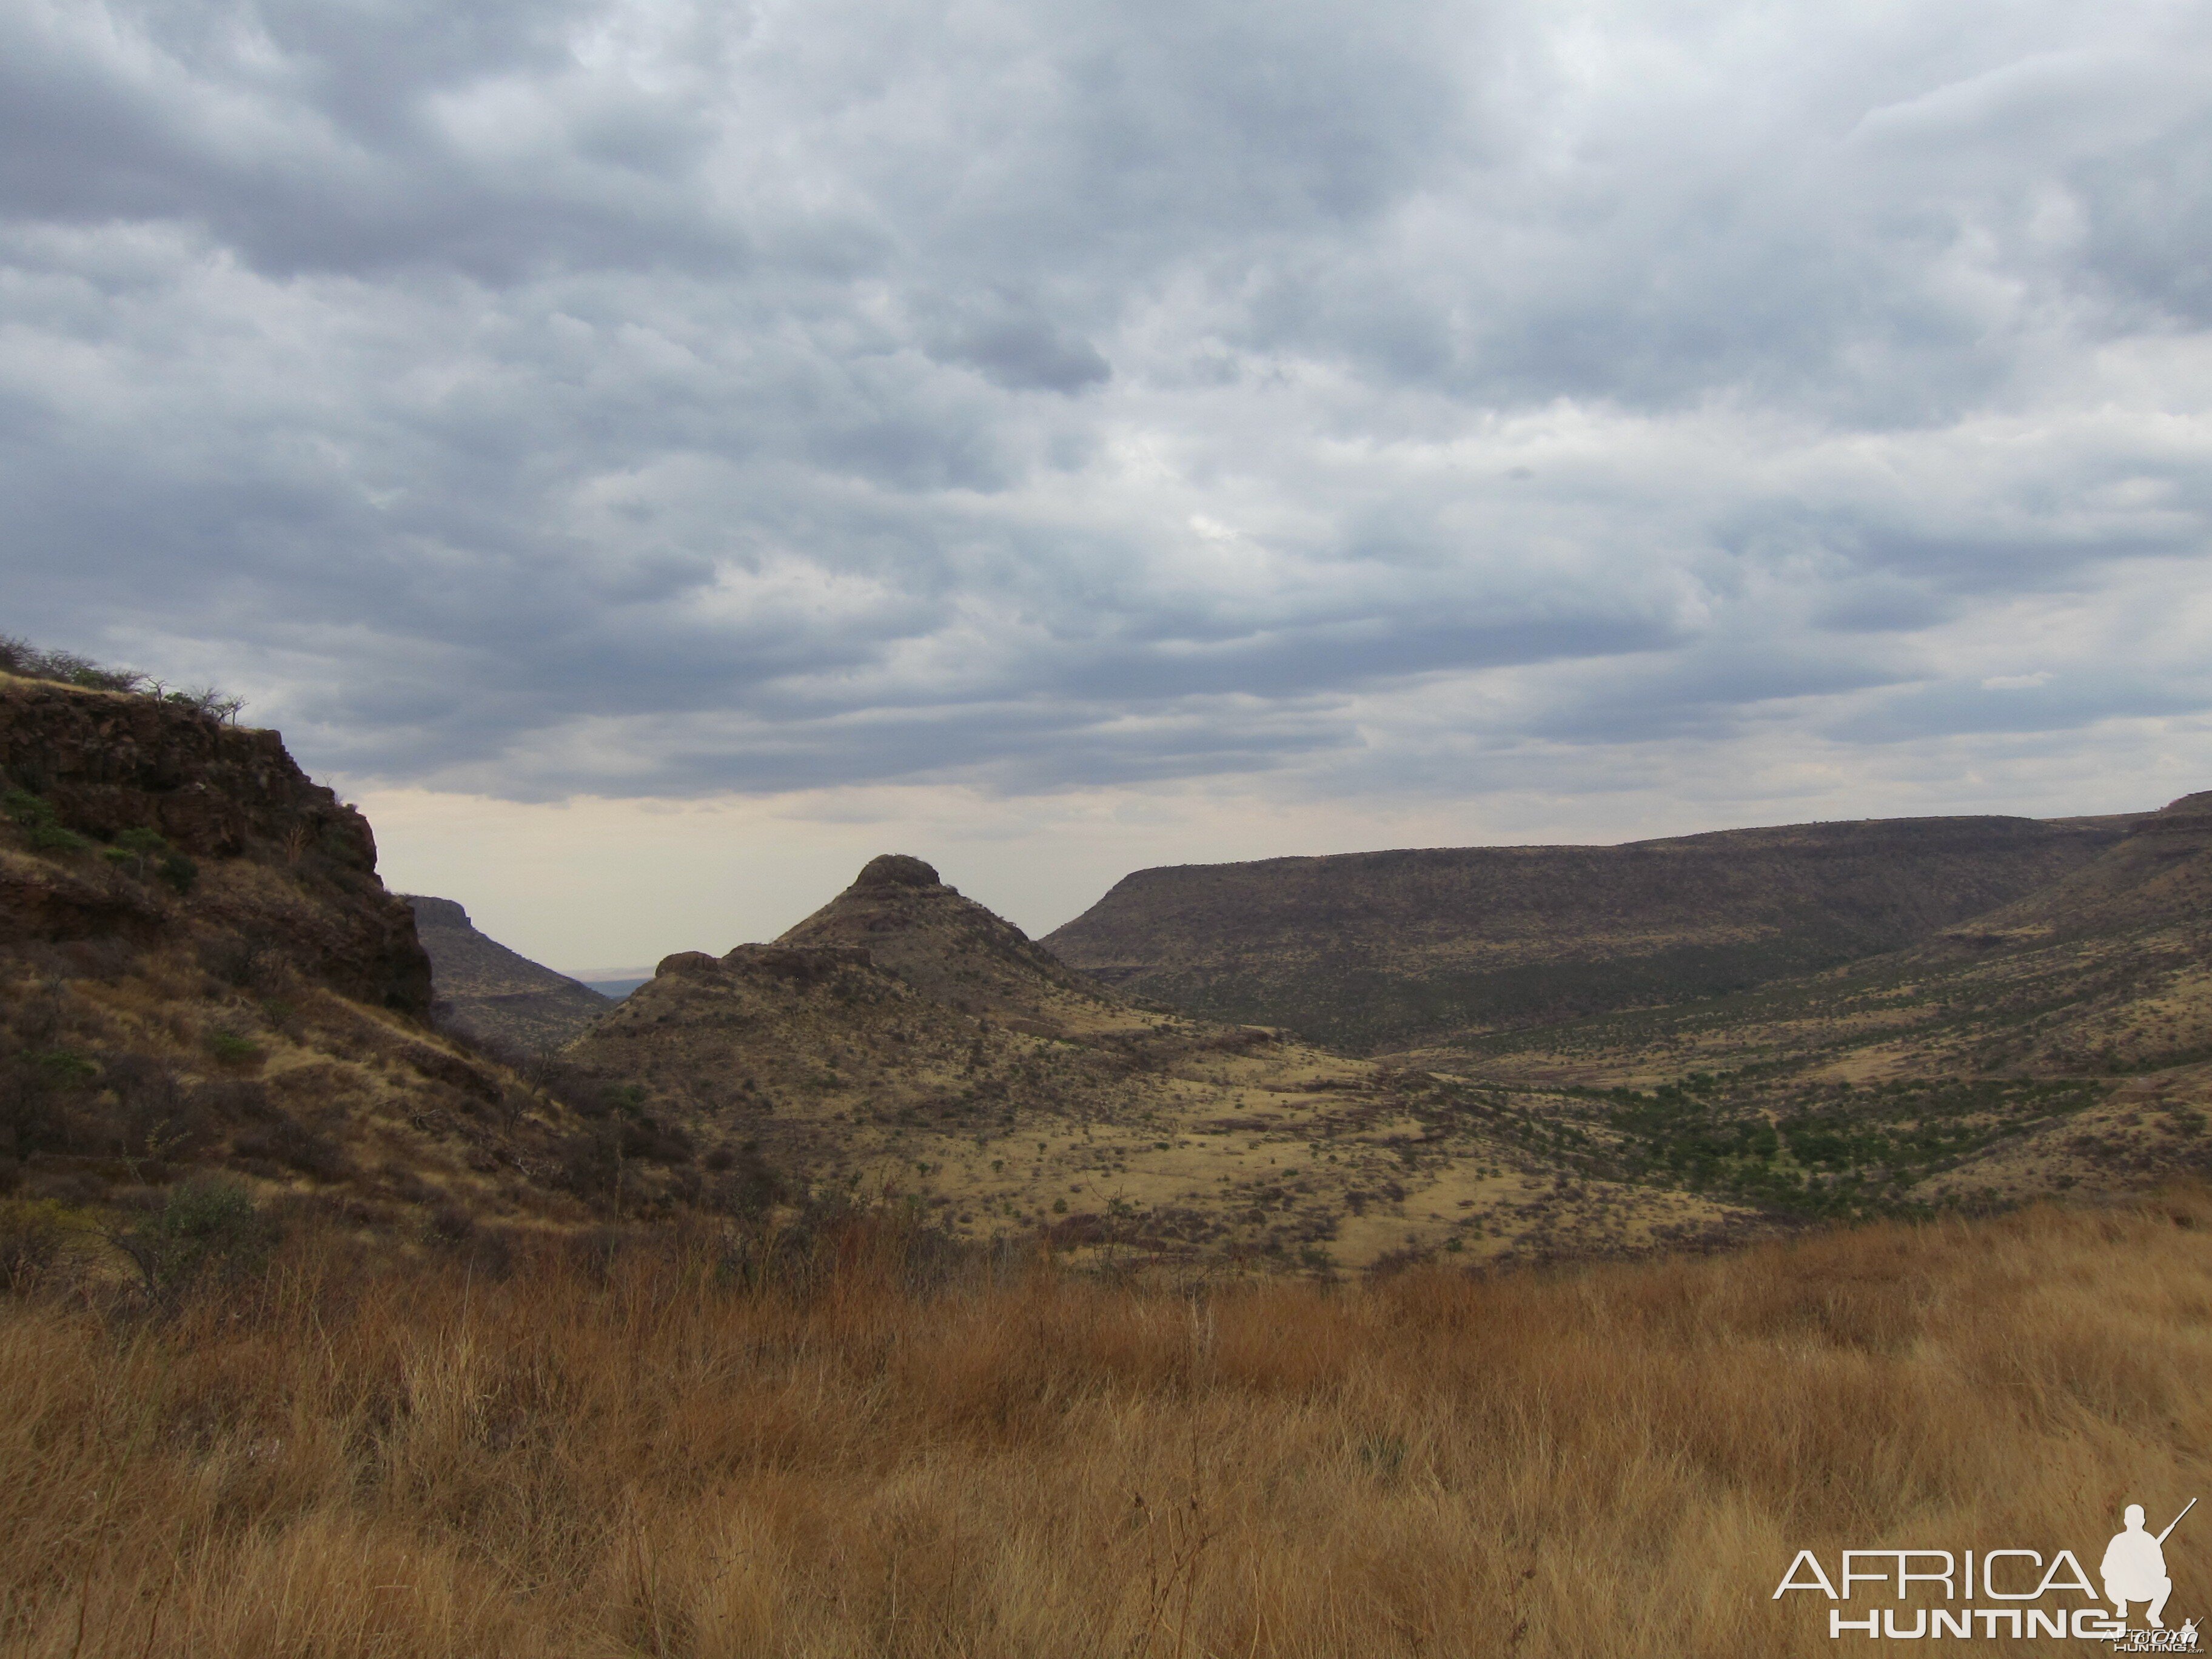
1025, 354
2060, 703
575, 394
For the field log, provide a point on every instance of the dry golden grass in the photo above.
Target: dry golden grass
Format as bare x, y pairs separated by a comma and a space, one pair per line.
411, 1459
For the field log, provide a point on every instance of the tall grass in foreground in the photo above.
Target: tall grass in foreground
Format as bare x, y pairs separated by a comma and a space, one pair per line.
632, 1457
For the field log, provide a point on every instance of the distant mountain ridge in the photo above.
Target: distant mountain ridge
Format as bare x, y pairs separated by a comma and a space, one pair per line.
2060, 1042
1381, 951
485, 990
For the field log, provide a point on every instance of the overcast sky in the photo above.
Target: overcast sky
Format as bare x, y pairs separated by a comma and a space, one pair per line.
655, 455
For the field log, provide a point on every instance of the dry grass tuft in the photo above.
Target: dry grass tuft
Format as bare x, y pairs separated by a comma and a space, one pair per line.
640, 1455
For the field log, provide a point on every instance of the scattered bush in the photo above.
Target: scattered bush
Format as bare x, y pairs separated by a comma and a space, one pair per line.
20, 657
291, 1143
232, 1050
31, 1120
205, 1226
37, 816
648, 1137
247, 964
748, 1184
237, 1099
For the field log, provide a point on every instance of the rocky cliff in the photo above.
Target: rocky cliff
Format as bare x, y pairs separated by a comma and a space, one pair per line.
200, 969
279, 862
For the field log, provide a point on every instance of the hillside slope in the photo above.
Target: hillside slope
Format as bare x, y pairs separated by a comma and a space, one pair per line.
494, 995
904, 1041
1375, 951
200, 971
2061, 1040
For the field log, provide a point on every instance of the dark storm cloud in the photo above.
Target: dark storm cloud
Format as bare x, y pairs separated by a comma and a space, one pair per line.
654, 398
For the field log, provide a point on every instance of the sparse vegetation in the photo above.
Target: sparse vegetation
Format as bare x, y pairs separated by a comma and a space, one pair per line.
206, 1225
21, 658
1371, 952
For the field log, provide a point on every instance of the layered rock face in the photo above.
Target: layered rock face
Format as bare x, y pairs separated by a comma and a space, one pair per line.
111, 762
290, 871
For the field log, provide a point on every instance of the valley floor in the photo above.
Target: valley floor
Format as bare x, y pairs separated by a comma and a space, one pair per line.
872, 1446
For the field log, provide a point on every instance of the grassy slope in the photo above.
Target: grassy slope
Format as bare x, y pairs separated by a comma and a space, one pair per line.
420, 1459
259, 1015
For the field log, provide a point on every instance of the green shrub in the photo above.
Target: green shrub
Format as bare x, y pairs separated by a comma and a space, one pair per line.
206, 1224
66, 1068
137, 848
36, 814
180, 872
232, 1050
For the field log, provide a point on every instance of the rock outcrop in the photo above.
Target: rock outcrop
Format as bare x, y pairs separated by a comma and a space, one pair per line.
200, 970
106, 768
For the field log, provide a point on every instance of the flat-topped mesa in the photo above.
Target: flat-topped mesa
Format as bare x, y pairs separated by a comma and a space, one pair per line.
2191, 815
1388, 951
948, 947
809, 964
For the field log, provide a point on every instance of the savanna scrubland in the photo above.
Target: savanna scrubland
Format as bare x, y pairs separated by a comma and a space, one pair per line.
895, 1289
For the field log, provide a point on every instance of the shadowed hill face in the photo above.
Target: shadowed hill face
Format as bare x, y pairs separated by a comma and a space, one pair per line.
114, 790
2157, 875
1385, 951
491, 993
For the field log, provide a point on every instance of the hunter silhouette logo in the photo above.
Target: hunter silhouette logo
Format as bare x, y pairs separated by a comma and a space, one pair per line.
2134, 1566
2022, 1583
